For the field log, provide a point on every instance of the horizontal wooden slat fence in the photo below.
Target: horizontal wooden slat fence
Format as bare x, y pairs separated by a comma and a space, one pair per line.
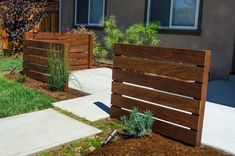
171, 83
77, 49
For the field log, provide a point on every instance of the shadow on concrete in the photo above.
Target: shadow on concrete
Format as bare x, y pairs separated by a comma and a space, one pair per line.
222, 92
103, 107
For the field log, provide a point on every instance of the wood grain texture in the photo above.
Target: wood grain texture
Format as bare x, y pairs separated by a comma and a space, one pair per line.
191, 89
184, 119
155, 67
169, 54
171, 83
77, 50
182, 103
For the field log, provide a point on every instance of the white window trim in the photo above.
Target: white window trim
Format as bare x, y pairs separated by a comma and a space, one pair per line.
170, 19
89, 24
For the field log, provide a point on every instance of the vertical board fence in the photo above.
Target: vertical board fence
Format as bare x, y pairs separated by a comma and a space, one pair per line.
77, 49
50, 23
171, 83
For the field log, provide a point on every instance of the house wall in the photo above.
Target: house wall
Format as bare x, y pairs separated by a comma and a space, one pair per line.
218, 32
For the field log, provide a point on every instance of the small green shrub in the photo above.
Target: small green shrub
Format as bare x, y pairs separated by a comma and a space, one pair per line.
21, 79
138, 125
140, 34
57, 69
98, 51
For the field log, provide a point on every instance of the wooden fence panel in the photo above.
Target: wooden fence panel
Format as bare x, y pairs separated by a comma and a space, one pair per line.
171, 83
78, 49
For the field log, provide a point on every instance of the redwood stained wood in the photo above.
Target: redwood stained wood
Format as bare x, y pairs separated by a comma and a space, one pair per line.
35, 51
166, 81
36, 59
55, 36
77, 55
169, 130
74, 62
170, 115
169, 54
204, 94
191, 89
35, 67
36, 75
78, 67
177, 102
77, 49
165, 69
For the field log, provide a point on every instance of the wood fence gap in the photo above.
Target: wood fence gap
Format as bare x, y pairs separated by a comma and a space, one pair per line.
168, 90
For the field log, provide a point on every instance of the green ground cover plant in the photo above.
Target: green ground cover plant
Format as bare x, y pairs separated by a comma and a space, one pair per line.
16, 99
6, 64
84, 146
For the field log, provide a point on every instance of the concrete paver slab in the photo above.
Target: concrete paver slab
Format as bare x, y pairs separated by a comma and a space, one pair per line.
92, 81
92, 107
34, 132
219, 127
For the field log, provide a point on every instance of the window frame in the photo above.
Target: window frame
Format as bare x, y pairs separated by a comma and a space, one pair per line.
88, 18
175, 29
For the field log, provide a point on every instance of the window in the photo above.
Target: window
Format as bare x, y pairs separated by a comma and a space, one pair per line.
89, 12
174, 14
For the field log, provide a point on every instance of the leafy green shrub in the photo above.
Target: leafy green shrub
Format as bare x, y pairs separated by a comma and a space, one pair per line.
112, 34
138, 125
57, 69
140, 34
98, 51
21, 79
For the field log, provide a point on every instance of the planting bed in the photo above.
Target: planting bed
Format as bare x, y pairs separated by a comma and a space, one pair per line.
152, 145
43, 87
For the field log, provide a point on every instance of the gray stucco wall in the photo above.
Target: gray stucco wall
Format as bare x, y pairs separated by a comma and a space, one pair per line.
67, 14
218, 29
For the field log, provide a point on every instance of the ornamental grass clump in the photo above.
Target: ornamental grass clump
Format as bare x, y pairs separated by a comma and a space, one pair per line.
138, 125
57, 69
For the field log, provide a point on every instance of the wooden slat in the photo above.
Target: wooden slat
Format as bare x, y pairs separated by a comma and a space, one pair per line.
35, 67
78, 55
169, 130
169, 54
74, 62
159, 68
48, 35
36, 59
182, 103
191, 89
78, 67
79, 49
170, 115
36, 75
34, 51
40, 44
204, 95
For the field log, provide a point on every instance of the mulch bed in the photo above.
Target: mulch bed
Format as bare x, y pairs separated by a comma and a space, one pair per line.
153, 145
43, 87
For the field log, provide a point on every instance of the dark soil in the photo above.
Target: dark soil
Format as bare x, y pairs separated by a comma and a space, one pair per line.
43, 87
153, 145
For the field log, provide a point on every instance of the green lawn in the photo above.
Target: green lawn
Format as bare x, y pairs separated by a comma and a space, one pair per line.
16, 99
6, 64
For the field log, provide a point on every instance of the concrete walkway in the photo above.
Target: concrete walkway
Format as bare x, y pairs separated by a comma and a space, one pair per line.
34, 132
93, 107
219, 120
